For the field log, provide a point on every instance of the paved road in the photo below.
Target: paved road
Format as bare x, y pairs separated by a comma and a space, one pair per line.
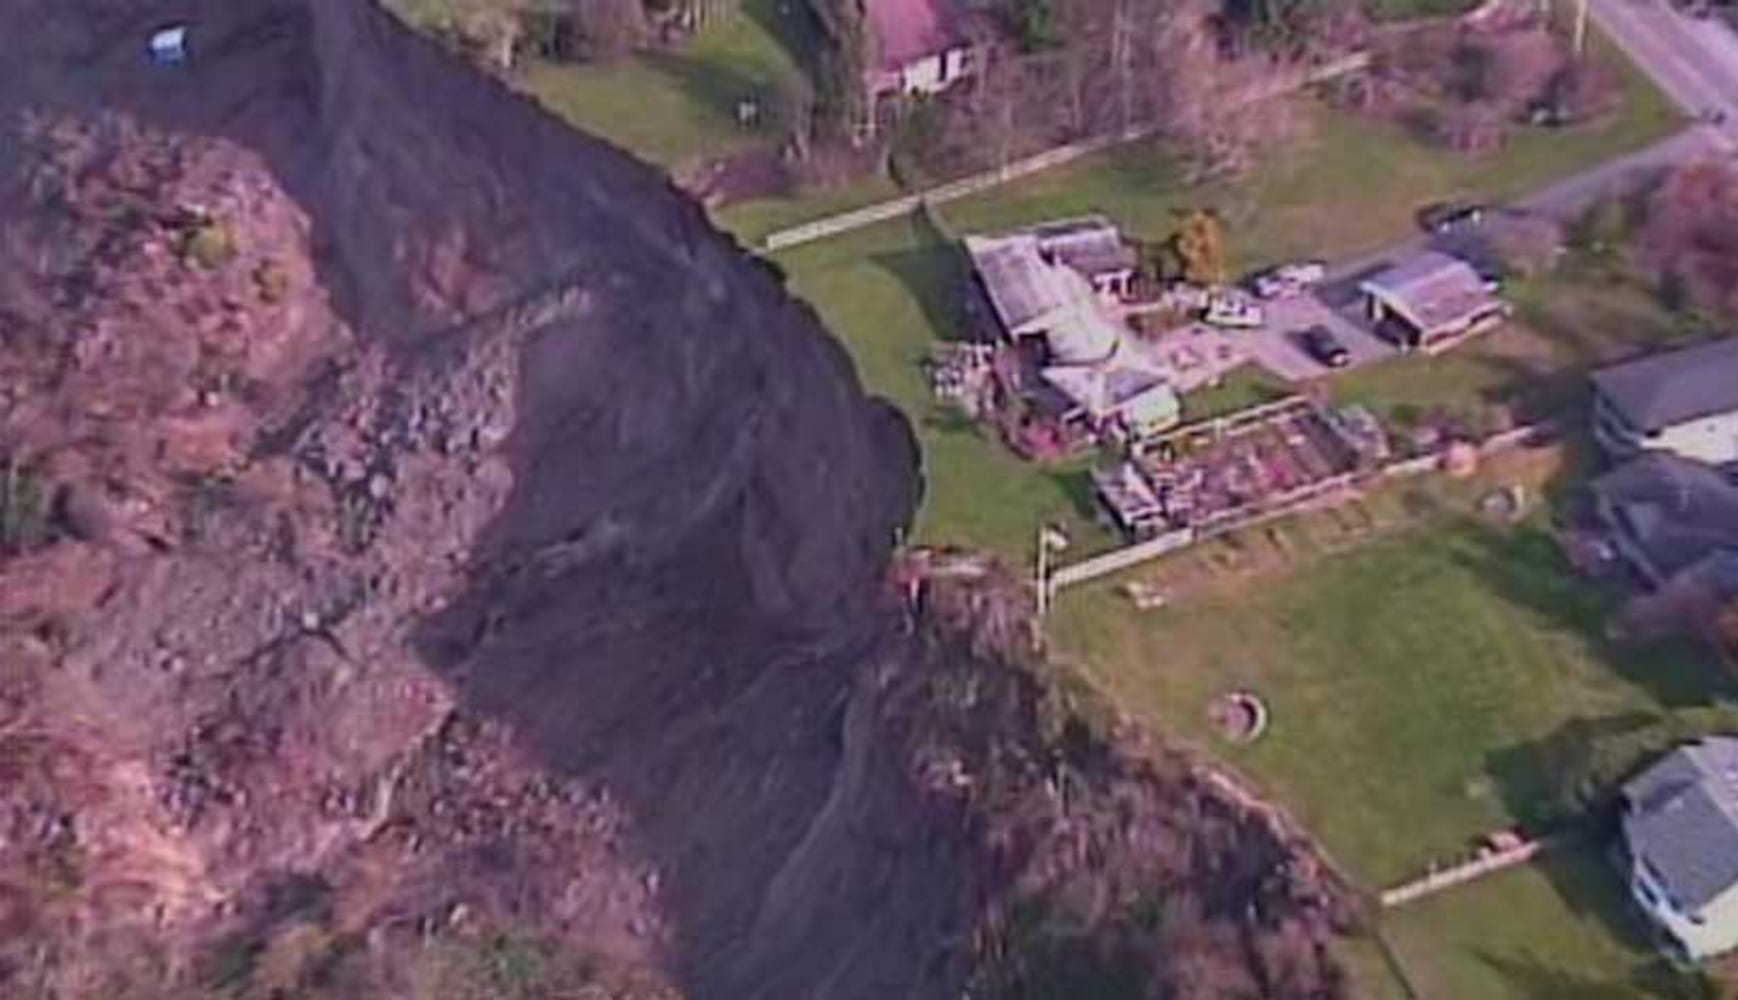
1694, 60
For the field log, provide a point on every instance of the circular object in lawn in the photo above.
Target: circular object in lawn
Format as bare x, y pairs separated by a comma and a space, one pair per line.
1239, 716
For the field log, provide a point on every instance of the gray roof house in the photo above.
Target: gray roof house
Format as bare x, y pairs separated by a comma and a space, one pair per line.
1673, 518
1683, 401
1680, 832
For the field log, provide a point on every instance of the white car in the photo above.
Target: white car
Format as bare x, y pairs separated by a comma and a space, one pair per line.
1290, 279
1186, 297
1233, 311
1303, 274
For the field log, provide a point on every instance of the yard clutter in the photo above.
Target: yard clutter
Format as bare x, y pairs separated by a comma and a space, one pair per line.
1215, 477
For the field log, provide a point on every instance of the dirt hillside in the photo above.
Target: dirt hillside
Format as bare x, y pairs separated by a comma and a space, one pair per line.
433, 562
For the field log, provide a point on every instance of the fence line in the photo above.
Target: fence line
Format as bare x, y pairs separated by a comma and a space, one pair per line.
1477, 868
1128, 555
1049, 159
1322, 493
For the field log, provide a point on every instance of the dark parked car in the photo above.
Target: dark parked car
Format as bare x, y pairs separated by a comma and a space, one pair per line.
1449, 216
1320, 343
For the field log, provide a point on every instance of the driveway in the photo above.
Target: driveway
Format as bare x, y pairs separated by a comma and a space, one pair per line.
1275, 346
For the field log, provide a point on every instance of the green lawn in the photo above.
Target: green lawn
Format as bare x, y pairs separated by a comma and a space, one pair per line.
1416, 682
1560, 928
678, 107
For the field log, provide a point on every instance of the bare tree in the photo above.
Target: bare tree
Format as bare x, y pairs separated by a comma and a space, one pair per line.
793, 110
1690, 238
1528, 245
609, 29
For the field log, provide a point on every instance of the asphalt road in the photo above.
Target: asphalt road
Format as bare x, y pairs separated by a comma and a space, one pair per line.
1694, 60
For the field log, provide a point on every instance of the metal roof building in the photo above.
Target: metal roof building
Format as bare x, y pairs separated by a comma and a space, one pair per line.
1434, 296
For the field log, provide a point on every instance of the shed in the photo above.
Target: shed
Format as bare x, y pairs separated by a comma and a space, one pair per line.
1431, 297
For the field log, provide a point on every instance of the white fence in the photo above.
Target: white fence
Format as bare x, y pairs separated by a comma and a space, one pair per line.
1479, 867
833, 225
1110, 562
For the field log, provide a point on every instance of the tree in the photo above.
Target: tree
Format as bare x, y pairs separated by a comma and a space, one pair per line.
1527, 246
1034, 24
1583, 90
1690, 237
793, 110
1200, 248
1471, 128
1602, 227
608, 29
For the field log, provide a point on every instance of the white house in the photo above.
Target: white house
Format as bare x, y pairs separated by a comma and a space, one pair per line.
917, 47
1684, 402
1680, 837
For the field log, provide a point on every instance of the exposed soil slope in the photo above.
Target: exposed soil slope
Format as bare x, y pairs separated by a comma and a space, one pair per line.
450, 535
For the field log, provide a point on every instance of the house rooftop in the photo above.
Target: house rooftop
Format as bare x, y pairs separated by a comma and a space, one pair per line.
1662, 390
1022, 286
1432, 290
1678, 512
905, 31
1090, 244
1042, 273
1682, 820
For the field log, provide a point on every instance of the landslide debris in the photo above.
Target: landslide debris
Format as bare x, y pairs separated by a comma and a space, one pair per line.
436, 563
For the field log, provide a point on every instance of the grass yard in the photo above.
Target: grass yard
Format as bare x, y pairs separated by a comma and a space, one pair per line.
679, 107
889, 293
1417, 680
1562, 927
1354, 185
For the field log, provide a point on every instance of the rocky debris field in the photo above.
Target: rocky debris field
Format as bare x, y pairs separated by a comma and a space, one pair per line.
433, 562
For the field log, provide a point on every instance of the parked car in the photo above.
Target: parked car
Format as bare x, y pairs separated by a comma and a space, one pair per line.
1234, 311
1320, 343
1450, 216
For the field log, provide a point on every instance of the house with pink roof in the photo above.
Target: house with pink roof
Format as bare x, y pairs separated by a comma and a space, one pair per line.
915, 47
